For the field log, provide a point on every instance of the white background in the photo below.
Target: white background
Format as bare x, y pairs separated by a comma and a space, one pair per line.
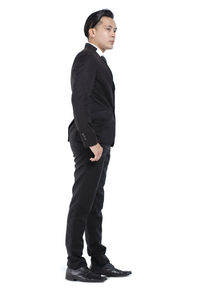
151, 210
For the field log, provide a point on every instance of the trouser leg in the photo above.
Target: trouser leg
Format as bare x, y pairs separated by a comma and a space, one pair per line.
93, 232
86, 181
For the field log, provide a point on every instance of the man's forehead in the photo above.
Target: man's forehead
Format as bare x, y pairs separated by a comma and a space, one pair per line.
108, 21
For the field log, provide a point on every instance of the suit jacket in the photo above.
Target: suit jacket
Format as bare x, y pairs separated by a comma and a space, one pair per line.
93, 99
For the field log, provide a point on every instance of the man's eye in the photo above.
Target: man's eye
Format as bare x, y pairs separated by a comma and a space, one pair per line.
108, 28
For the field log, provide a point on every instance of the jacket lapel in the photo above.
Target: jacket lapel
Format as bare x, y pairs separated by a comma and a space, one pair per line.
93, 49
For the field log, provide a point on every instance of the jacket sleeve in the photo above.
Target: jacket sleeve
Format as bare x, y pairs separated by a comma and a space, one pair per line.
82, 81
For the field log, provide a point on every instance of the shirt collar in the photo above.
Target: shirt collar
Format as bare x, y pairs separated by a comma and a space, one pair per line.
100, 53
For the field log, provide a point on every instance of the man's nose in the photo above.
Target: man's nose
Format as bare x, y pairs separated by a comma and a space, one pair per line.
113, 33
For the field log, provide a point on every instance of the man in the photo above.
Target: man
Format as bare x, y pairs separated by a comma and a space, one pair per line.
91, 135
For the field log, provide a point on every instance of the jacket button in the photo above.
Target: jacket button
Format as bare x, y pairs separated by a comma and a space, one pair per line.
83, 136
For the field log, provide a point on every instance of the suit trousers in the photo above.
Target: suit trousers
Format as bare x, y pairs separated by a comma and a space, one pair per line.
85, 209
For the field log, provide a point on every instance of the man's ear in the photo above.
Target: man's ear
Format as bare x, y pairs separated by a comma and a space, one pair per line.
91, 32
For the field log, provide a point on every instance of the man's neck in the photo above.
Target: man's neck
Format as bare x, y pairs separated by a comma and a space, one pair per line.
99, 51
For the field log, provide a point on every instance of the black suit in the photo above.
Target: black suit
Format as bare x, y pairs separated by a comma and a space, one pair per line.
94, 121
93, 99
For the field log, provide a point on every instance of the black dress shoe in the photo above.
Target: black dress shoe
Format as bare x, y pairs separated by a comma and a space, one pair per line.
109, 270
83, 274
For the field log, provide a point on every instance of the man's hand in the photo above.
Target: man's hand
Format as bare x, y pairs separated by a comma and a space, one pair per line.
97, 150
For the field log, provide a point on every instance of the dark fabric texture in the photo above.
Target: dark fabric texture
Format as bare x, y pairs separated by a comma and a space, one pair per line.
85, 210
93, 103
93, 99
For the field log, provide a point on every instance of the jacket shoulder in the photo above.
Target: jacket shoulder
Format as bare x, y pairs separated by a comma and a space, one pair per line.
84, 56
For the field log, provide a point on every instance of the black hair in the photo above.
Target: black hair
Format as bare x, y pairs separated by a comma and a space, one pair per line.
94, 18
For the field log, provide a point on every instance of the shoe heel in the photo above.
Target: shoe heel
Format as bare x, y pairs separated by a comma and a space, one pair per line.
69, 277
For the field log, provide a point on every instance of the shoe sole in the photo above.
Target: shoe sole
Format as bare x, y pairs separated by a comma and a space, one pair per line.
111, 275
73, 278
117, 276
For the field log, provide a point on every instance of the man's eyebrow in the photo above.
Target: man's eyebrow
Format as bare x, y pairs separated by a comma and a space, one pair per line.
111, 26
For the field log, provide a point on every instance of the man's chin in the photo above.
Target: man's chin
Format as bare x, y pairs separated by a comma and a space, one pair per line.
109, 46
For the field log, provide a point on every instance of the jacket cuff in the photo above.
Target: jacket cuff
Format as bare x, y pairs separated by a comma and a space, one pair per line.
88, 140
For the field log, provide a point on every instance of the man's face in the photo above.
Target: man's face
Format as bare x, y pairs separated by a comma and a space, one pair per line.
103, 34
